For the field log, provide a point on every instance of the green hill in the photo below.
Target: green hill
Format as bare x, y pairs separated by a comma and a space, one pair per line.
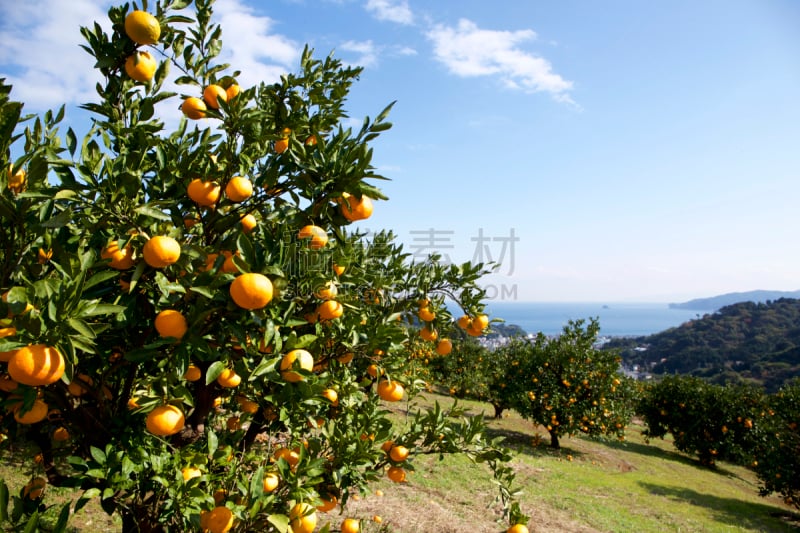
748, 341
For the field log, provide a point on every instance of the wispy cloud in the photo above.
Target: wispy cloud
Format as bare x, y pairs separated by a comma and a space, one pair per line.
469, 51
391, 10
40, 54
366, 51
251, 44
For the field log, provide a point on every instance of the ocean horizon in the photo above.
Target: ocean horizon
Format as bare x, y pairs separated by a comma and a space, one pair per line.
617, 319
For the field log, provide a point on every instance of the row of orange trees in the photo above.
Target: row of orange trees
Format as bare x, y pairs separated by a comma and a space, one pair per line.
570, 386
191, 334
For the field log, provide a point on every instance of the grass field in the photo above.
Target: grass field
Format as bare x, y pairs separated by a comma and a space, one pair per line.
587, 486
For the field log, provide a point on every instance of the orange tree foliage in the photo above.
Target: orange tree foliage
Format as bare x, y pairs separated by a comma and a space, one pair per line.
567, 385
79, 275
715, 422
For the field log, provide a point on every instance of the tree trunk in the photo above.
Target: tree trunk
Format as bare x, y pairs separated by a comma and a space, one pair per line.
498, 410
554, 440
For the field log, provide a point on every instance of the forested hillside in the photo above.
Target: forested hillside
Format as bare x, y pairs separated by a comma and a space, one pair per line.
757, 342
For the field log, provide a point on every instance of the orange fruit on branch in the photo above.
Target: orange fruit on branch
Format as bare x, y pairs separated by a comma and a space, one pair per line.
425, 314
317, 235
36, 413
251, 290
330, 309
302, 518
34, 489
194, 108
36, 365
299, 358
142, 27
271, 481
165, 420
390, 391
351, 525
171, 323
141, 66
398, 453
212, 94
229, 378
219, 520
16, 180
204, 193
248, 223
444, 347
239, 189
354, 208
161, 251
193, 373
120, 259
396, 474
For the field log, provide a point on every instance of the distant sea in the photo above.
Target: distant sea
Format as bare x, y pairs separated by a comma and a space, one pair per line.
616, 319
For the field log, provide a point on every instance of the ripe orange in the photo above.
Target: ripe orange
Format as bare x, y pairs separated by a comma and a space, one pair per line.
346, 357
304, 361
351, 525
212, 94
193, 373
16, 180
281, 145
373, 371
331, 395
292, 457
142, 27
302, 518
161, 251
233, 423
247, 405
327, 291
5, 357
232, 91
204, 193
34, 489
239, 189
480, 322
444, 347
77, 387
390, 391
228, 266
165, 420
171, 323
318, 236
271, 481
464, 322
43, 256
60, 434
120, 259
339, 269
141, 66
229, 378
396, 474
248, 223
387, 446
354, 208
425, 314
330, 309
251, 290
194, 108
327, 504
36, 365
36, 413
398, 453
517, 528
428, 334
219, 520
190, 472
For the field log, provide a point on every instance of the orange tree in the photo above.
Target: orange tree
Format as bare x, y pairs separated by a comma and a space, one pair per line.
193, 335
475, 372
567, 385
715, 422
777, 456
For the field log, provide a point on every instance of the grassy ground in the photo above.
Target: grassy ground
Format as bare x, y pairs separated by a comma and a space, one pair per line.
587, 486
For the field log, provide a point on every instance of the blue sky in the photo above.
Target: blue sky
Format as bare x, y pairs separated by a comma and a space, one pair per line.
603, 151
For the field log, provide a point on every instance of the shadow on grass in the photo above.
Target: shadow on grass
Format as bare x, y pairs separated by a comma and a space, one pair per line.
738, 513
532, 443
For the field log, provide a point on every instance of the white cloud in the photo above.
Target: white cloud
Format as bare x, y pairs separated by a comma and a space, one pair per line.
468, 51
391, 10
366, 50
41, 57
250, 45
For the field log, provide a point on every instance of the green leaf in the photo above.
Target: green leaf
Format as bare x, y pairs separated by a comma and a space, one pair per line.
98, 455
3, 501
280, 521
33, 523
152, 212
103, 309
81, 327
213, 442
60, 220
214, 371
204, 291
63, 520
294, 343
